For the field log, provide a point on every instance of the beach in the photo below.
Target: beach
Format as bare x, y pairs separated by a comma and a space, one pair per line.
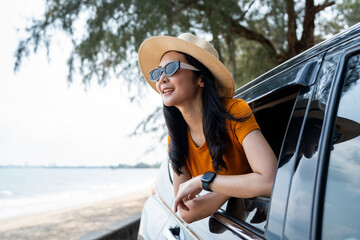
74, 222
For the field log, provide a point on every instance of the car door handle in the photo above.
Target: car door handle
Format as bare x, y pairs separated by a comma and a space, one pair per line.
172, 233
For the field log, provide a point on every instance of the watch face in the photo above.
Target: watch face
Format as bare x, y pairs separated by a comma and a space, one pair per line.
208, 177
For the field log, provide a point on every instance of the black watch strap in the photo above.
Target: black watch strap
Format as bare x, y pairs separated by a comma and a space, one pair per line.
205, 186
206, 179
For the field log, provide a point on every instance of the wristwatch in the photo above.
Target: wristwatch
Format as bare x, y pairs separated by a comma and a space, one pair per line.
206, 179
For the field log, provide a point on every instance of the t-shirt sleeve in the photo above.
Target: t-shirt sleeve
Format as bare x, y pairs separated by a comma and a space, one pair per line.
240, 109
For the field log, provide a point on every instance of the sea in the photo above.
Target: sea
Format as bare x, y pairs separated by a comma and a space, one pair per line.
30, 190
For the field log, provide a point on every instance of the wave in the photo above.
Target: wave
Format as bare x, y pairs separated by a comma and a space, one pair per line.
47, 202
58, 192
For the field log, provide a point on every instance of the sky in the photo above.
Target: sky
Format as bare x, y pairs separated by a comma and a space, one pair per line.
46, 121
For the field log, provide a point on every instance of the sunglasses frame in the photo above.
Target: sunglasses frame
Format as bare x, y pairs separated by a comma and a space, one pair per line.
178, 66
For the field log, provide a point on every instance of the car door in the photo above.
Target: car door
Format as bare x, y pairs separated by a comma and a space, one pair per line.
336, 213
302, 207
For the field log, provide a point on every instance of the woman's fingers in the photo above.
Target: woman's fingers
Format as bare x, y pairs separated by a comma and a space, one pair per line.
183, 206
191, 196
187, 191
180, 204
175, 206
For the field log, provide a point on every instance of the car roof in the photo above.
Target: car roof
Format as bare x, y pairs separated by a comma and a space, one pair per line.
268, 82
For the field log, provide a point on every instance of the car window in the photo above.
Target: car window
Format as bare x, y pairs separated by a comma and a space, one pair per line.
273, 114
341, 216
252, 213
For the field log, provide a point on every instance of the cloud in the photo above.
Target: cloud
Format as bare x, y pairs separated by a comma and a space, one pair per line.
345, 164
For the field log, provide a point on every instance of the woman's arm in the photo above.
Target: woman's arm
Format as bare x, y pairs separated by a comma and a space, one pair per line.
262, 161
192, 208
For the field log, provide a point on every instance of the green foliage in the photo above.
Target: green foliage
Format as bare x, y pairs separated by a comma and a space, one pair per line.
249, 61
251, 36
350, 10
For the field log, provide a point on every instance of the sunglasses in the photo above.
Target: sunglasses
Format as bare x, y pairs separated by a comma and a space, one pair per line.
169, 69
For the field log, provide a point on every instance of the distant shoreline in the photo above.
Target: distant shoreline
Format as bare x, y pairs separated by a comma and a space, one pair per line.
120, 166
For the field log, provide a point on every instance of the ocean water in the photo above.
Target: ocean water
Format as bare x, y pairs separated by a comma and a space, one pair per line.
25, 191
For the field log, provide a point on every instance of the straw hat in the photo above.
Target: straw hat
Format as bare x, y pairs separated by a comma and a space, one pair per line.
152, 50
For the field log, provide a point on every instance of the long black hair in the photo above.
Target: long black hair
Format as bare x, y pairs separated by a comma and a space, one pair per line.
214, 125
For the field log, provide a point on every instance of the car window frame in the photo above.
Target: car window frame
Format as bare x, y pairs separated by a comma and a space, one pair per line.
247, 228
326, 137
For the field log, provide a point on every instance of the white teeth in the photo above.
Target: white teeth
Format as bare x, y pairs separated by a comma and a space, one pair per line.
168, 90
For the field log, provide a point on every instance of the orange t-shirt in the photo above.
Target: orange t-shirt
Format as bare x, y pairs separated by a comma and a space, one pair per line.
199, 159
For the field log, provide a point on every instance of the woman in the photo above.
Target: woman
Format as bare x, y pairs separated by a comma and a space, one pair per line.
214, 141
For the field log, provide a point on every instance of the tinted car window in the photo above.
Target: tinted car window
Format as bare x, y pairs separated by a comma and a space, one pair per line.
341, 218
272, 114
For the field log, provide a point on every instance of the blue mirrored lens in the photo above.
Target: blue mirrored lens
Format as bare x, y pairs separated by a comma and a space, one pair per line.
169, 70
155, 74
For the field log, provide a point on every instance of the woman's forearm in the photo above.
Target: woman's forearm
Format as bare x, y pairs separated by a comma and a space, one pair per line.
202, 206
243, 186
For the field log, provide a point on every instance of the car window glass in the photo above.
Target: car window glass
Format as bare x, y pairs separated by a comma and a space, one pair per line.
252, 210
341, 217
252, 213
299, 171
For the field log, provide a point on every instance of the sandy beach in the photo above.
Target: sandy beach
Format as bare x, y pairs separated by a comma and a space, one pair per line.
72, 223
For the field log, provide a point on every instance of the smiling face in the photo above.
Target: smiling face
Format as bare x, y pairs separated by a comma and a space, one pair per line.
182, 89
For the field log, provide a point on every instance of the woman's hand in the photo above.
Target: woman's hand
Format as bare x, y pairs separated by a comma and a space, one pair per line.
187, 191
195, 208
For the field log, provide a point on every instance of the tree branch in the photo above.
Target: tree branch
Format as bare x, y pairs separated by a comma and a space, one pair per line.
291, 34
307, 38
242, 17
321, 7
248, 34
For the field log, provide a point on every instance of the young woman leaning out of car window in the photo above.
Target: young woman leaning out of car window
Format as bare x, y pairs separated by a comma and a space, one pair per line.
215, 143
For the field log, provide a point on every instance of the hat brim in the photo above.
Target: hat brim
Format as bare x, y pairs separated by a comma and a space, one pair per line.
347, 128
152, 49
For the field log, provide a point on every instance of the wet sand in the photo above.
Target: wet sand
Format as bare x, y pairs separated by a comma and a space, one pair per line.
72, 223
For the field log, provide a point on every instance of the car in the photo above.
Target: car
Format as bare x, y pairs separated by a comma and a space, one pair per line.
308, 109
